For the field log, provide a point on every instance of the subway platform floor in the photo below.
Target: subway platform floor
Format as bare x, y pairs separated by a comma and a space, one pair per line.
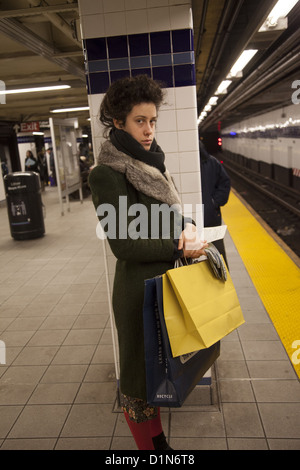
58, 386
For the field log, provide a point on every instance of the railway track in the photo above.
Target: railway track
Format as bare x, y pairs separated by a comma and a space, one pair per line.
277, 205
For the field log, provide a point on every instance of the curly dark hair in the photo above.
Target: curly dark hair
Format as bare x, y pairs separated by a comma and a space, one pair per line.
124, 94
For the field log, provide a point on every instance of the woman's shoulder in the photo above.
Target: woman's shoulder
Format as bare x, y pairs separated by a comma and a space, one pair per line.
103, 173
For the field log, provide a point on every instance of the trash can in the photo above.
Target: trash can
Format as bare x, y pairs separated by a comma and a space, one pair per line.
24, 205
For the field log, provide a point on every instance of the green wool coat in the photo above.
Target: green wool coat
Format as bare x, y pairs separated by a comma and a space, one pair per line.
137, 259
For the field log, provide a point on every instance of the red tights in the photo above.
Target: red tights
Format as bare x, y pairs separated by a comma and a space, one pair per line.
143, 432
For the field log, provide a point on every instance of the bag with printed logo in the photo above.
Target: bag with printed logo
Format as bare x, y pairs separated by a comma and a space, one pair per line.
169, 379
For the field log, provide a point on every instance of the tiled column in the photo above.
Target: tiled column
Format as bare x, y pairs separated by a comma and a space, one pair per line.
129, 37
155, 37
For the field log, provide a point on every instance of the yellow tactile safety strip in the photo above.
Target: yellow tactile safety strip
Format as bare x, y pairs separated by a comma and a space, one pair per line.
275, 276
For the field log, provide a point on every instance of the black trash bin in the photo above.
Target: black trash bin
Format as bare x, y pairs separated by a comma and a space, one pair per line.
24, 205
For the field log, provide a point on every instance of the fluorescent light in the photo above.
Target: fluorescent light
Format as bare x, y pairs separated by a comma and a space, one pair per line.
68, 110
33, 89
207, 107
38, 133
213, 100
240, 64
281, 10
222, 88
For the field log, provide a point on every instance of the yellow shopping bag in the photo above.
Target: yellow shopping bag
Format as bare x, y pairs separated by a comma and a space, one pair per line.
199, 309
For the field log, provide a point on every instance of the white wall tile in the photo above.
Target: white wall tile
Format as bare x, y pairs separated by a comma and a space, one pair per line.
172, 162
177, 182
186, 97
179, 2
157, 3
168, 141
186, 119
181, 17
166, 120
136, 21
191, 198
135, 5
169, 99
98, 127
90, 7
92, 26
110, 6
159, 19
190, 182
94, 104
115, 24
189, 162
188, 141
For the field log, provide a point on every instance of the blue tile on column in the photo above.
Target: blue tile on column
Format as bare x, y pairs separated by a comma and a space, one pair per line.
183, 58
119, 64
98, 66
99, 82
143, 71
182, 40
139, 44
119, 74
117, 47
184, 75
161, 60
160, 42
96, 48
164, 75
140, 62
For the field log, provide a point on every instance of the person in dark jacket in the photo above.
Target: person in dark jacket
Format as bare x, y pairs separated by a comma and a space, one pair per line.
31, 163
131, 165
215, 184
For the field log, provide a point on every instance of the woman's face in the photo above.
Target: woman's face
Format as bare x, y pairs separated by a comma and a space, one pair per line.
140, 123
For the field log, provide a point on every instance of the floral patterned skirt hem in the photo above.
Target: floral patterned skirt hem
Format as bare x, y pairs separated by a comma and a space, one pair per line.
137, 409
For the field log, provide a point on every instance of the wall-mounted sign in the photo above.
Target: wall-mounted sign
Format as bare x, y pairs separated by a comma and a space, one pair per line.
33, 126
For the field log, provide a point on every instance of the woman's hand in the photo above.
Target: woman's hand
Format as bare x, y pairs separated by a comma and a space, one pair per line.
190, 242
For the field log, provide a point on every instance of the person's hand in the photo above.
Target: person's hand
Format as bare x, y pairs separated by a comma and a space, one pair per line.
190, 242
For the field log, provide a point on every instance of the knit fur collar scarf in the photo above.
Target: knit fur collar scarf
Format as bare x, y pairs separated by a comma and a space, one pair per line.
144, 178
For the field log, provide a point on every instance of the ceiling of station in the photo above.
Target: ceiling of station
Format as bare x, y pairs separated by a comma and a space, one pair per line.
40, 44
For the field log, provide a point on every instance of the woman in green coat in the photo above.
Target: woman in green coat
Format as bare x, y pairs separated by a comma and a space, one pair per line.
129, 186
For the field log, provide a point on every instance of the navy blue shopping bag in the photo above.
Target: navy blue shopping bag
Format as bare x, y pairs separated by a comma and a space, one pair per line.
169, 379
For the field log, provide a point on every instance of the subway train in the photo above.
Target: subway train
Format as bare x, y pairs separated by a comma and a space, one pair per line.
268, 144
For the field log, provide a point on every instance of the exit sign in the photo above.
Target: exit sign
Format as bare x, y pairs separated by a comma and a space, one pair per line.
33, 126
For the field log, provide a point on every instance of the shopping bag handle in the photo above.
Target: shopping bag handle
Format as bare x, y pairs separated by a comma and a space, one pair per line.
214, 258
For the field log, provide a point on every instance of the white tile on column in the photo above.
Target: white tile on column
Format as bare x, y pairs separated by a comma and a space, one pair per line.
188, 141
166, 121
92, 26
185, 97
94, 104
190, 182
97, 142
191, 198
110, 6
186, 119
181, 17
157, 3
136, 21
177, 181
179, 2
159, 19
172, 162
115, 24
90, 7
168, 141
135, 5
169, 99
189, 162
98, 127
